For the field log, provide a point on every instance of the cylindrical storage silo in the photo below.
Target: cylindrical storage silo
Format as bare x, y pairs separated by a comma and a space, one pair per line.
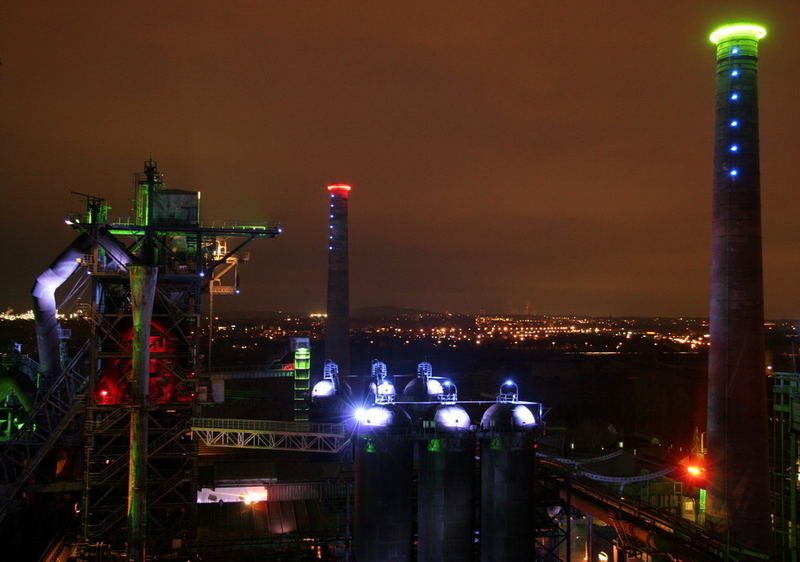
384, 488
446, 506
507, 473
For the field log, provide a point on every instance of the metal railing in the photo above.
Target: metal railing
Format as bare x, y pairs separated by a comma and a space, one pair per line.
272, 435
268, 426
220, 224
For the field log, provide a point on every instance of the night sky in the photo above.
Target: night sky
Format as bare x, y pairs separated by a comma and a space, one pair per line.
554, 153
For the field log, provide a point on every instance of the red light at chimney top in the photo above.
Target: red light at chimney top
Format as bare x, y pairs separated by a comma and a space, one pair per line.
340, 189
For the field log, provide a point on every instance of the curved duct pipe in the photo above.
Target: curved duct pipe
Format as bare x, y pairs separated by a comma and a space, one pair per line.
44, 294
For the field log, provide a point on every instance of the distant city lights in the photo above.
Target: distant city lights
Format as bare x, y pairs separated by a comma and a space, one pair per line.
570, 334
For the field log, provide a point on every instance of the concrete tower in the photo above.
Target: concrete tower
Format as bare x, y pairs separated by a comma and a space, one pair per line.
337, 327
738, 467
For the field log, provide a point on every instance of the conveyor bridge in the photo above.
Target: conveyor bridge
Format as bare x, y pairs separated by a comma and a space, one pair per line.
274, 435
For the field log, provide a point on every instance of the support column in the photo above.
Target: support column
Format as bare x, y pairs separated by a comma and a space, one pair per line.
143, 288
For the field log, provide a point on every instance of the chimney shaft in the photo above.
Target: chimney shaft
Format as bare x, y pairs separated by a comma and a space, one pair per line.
337, 326
738, 468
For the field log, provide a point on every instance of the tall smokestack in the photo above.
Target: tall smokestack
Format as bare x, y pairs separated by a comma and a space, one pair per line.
337, 327
737, 403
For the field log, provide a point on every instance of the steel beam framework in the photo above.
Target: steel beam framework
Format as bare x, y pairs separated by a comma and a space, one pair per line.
183, 251
171, 455
785, 428
277, 436
58, 403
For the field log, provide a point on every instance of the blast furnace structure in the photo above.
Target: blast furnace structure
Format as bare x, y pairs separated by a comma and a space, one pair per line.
143, 379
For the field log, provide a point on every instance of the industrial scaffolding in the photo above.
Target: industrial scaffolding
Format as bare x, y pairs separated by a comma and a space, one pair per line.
139, 380
785, 428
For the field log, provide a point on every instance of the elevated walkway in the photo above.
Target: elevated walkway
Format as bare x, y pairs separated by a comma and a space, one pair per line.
272, 435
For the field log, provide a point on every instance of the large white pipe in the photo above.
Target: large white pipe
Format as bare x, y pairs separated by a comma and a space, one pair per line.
44, 294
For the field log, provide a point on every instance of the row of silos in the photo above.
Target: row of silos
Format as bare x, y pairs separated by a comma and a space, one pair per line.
445, 444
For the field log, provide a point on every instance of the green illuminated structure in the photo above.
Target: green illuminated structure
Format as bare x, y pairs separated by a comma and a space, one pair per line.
737, 31
140, 377
302, 381
14, 405
143, 280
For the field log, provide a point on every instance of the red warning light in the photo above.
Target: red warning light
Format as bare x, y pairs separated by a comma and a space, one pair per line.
340, 189
695, 470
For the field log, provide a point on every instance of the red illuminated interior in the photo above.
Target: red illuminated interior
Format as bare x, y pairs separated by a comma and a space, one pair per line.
165, 386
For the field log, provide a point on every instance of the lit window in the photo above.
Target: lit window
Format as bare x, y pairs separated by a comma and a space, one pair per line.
734, 123
734, 173
734, 148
